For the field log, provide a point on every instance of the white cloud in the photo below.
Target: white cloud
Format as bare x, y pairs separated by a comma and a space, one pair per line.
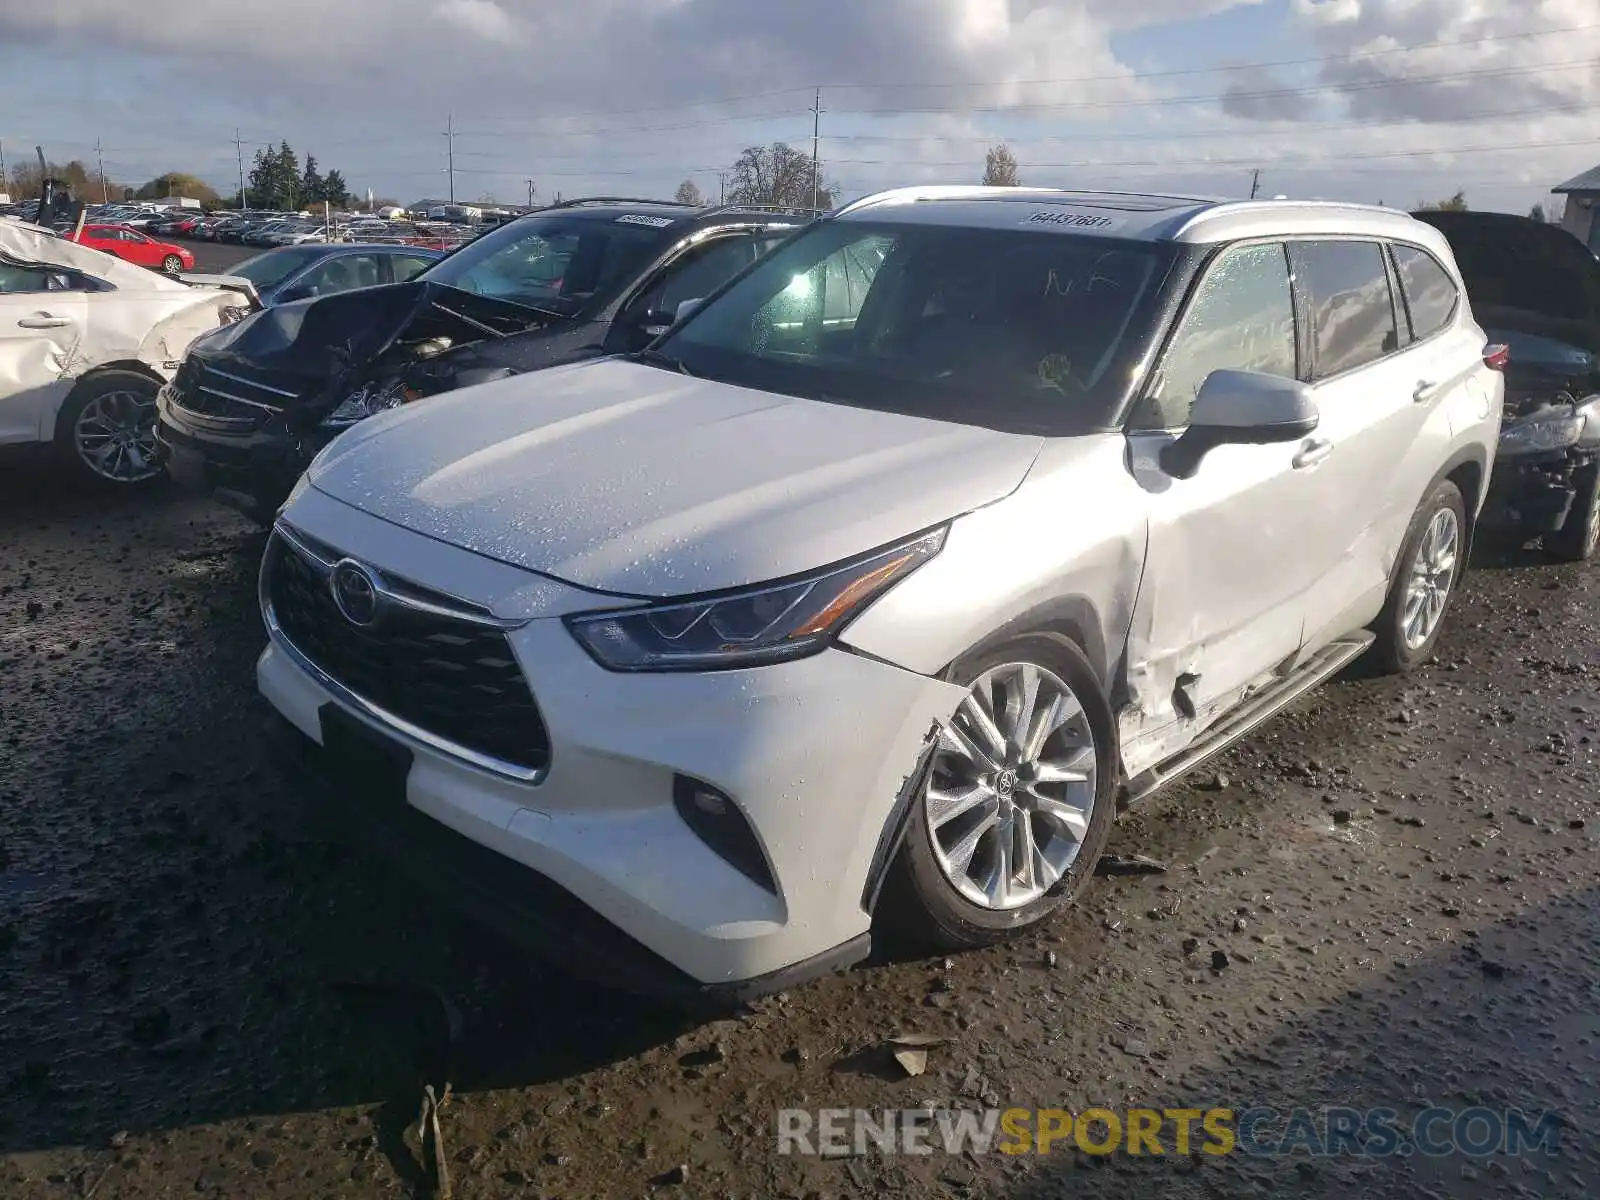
482, 18
520, 75
1485, 64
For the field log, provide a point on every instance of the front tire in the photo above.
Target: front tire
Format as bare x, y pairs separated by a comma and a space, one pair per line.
106, 431
172, 265
1017, 803
1579, 535
1431, 560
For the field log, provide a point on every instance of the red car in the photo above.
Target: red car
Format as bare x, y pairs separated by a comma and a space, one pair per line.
135, 247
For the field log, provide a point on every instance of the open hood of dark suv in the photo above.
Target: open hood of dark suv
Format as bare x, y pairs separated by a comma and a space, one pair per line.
312, 352
1525, 275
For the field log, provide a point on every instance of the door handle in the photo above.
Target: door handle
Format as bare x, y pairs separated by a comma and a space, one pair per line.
1312, 452
44, 321
1425, 390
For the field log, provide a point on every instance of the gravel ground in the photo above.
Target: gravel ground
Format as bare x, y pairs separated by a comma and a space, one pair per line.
1387, 897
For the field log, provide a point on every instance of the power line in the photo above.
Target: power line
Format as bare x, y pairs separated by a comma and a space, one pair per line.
1271, 64
1330, 164
1260, 94
1246, 128
1316, 60
1283, 93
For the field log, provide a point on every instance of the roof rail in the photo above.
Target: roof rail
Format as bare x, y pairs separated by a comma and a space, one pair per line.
582, 200
783, 210
933, 191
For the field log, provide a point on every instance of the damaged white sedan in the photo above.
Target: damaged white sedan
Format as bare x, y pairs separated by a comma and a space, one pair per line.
867, 593
86, 341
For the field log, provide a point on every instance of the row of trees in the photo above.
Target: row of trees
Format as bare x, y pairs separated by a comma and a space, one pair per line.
779, 176
277, 180
24, 179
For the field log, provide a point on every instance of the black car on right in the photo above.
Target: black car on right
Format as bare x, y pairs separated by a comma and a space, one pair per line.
1535, 289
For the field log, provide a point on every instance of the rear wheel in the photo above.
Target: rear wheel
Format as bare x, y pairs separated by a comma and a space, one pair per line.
1018, 801
1579, 535
1431, 560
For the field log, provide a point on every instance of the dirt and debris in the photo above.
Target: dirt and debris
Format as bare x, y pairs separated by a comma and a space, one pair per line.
203, 993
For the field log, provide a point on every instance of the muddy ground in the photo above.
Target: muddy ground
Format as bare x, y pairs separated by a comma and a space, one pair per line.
200, 994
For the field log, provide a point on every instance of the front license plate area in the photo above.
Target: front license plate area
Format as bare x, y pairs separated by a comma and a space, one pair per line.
361, 763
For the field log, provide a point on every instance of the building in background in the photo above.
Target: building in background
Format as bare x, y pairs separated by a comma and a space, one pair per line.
1583, 205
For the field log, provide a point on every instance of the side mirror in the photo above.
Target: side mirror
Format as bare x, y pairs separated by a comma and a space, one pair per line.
656, 323
303, 291
1240, 408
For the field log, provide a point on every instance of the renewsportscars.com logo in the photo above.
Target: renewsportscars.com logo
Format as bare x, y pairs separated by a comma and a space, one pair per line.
1264, 1132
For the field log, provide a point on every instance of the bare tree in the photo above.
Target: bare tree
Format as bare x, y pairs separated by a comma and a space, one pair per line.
688, 193
1456, 203
1537, 213
777, 176
1000, 167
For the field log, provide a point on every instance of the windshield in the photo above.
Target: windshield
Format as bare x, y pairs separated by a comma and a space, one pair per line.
554, 262
976, 325
268, 270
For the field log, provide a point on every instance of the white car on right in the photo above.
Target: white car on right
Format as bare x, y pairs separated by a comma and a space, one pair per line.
869, 591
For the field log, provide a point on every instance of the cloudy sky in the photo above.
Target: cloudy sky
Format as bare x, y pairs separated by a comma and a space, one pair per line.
1378, 100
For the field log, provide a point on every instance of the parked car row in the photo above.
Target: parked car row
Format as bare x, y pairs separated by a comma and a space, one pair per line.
767, 583
290, 229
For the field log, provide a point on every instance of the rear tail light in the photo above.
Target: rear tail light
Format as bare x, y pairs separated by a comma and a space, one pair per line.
1496, 357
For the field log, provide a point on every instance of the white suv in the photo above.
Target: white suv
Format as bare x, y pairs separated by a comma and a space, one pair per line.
869, 590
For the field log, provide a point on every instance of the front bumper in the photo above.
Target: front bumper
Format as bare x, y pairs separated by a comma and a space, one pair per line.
1534, 495
249, 470
815, 755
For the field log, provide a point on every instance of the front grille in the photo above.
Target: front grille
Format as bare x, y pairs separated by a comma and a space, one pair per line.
450, 678
204, 390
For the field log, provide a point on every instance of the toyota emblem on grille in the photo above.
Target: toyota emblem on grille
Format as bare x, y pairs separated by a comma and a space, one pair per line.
355, 592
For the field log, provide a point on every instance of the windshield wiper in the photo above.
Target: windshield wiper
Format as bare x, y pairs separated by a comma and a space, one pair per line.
658, 359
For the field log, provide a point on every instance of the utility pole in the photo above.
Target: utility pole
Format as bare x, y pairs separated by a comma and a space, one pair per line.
3, 185
1255, 182
722, 187
100, 157
816, 137
238, 149
450, 140
530, 193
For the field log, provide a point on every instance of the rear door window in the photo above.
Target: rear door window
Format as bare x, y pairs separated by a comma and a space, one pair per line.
1353, 312
1430, 294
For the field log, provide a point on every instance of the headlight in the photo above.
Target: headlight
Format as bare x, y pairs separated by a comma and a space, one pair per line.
1555, 432
1589, 409
372, 399
773, 623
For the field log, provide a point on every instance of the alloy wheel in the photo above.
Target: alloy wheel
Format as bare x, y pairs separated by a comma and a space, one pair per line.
1433, 573
115, 436
1012, 789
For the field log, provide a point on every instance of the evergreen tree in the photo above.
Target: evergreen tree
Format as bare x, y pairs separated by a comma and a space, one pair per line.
313, 189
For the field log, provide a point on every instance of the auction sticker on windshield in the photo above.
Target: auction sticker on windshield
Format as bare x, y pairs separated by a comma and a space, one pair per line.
640, 219
1075, 220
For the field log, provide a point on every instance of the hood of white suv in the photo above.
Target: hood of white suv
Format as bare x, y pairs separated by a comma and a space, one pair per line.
632, 479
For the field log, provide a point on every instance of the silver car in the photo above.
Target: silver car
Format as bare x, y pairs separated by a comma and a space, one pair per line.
866, 593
